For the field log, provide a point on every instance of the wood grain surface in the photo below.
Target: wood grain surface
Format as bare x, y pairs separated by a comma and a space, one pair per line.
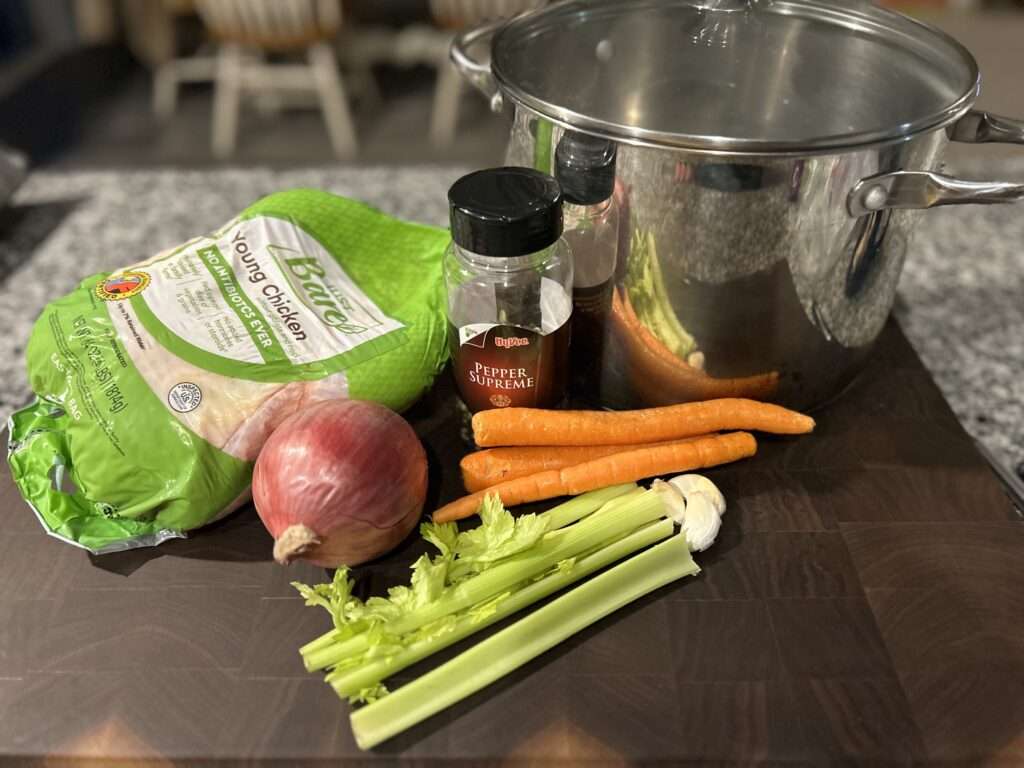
864, 604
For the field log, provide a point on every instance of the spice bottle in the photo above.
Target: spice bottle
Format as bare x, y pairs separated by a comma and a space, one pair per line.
509, 279
585, 169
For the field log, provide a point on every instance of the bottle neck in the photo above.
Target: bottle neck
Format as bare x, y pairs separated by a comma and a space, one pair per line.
577, 212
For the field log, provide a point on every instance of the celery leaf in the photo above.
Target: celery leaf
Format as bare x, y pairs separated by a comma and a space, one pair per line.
336, 598
565, 566
432, 631
442, 535
313, 596
483, 611
499, 535
428, 580
369, 695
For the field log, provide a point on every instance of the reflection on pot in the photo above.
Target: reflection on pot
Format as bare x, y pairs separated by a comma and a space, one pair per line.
646, 286
863, 281
640, 367
651, 357
728, 177
866, 252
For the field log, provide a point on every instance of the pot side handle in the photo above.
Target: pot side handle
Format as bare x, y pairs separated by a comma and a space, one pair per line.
475, 71
924, 189
980, 127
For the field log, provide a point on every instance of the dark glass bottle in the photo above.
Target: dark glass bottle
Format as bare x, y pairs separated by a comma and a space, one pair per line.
585, 169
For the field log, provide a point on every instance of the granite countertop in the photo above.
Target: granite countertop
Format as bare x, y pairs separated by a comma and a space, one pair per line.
959, 300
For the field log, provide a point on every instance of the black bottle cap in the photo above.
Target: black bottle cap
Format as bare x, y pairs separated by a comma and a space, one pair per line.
585, 167
505, 211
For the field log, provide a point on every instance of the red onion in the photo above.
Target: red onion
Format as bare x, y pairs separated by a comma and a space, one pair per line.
340, 483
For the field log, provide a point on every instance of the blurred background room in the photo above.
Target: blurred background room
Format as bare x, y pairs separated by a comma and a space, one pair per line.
284, 83
280, 82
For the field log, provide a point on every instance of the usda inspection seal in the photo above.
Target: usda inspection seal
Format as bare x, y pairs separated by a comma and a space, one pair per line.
184, 397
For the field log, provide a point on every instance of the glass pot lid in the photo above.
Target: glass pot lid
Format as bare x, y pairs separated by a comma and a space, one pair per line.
760, 76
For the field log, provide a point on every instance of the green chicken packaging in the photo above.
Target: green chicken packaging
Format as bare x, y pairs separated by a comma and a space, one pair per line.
158, 384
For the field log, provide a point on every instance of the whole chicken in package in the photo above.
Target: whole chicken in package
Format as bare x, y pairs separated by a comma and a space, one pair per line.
158, 384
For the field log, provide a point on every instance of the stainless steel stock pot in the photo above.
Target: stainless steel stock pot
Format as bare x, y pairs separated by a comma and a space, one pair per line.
772, 156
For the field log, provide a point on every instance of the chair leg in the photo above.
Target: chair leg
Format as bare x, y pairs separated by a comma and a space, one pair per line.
445, 114
333, 101
268, 102
227, 100
165, 90
365, 88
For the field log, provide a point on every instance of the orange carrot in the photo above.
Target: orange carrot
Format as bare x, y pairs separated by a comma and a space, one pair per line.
625, 467
482, 469
536, 426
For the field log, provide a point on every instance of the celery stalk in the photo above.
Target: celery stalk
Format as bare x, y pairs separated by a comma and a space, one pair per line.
588, 533
584, 504
323, 641
557, 517
558, 520
350, 681
517, 644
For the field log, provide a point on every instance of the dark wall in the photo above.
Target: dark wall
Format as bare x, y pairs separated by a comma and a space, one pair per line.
15, 28
45, 114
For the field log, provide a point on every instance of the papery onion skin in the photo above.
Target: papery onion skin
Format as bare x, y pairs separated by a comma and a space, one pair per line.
340, 483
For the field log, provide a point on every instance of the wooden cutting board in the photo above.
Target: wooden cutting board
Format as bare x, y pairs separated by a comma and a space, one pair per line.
864, 602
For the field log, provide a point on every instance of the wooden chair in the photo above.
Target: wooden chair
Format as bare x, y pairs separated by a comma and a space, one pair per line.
248, 29
449, 16
151, 32
428, 44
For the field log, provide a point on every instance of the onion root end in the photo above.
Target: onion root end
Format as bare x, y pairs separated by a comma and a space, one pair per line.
294, 541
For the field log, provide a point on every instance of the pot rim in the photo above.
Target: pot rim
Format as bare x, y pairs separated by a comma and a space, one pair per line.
762, 151
725, 146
